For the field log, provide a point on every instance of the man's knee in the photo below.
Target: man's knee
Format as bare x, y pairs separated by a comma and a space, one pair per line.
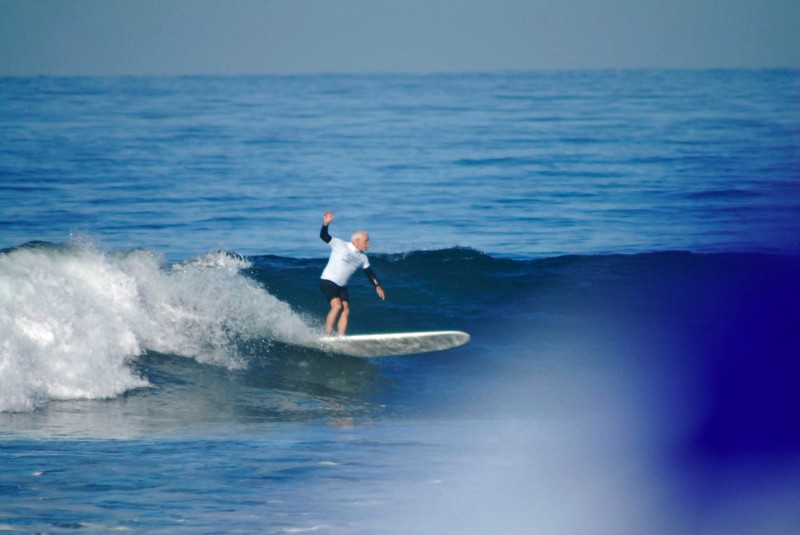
345, 307
336, 305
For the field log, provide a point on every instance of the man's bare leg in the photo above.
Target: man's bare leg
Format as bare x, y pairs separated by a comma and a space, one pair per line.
336, 308
344, 317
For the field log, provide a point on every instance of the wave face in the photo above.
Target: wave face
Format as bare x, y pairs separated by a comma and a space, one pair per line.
707, 341
72, 318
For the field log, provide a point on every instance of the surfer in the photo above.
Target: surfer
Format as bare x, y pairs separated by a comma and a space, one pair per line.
344, 260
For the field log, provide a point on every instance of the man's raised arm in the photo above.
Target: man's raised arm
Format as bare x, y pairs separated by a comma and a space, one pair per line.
323, 232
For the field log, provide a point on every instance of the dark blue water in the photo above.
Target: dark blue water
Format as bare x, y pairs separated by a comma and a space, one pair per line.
622, 247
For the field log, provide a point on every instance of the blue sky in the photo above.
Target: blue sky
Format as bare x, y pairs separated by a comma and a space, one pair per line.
141, 37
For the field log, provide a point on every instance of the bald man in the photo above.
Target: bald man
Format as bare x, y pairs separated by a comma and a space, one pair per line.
345, 259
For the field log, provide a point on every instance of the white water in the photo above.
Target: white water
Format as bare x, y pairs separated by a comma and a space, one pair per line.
72, 318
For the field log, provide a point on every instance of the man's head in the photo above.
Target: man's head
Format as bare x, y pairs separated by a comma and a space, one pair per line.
360, 240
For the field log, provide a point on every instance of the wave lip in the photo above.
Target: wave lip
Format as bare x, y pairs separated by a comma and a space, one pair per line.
72, 319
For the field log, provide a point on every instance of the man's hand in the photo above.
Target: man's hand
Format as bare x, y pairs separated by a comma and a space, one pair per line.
327, 218
380, 292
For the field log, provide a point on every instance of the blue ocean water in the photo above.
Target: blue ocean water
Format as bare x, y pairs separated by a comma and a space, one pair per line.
621, 245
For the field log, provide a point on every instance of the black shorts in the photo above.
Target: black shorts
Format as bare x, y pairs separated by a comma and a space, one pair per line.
333, 290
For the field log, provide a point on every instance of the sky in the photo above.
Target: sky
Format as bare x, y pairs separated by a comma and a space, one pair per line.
230, 37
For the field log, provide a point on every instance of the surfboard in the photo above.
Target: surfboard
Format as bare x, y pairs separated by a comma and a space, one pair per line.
391, 344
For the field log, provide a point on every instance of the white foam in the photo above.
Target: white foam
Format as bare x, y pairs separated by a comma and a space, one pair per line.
72, 318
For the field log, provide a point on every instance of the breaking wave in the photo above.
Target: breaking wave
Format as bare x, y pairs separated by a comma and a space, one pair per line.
72, 318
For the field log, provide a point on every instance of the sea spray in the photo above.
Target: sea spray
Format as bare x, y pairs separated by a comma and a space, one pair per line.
72, 318
68, 320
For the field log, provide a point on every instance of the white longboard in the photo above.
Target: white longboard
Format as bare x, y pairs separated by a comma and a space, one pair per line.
390, 344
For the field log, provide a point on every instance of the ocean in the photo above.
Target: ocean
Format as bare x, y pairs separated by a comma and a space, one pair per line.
622, 246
